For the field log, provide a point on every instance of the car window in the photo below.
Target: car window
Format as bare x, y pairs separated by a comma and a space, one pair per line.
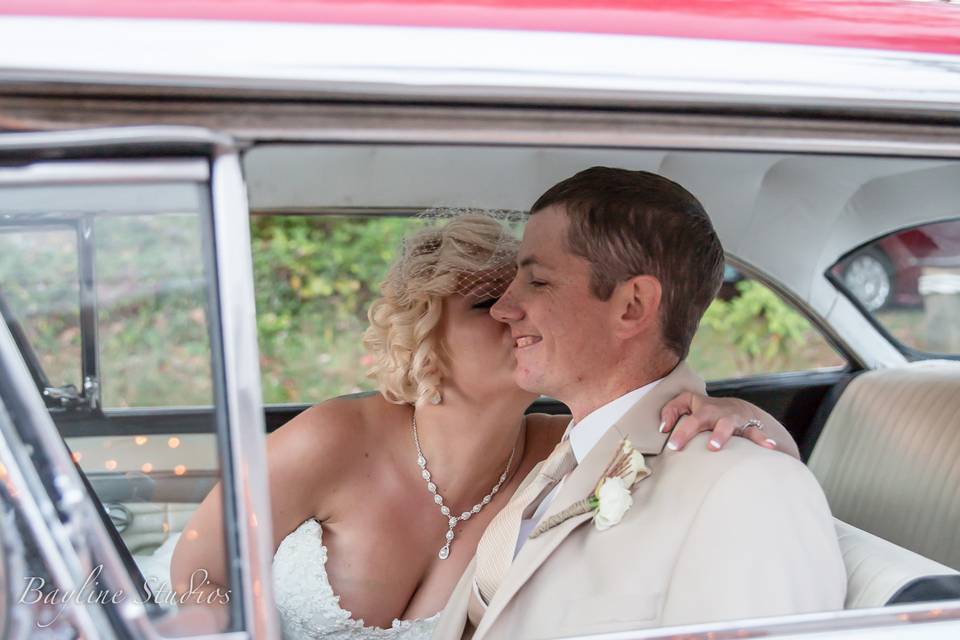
44, 301
152, 322
315, 276
909, 283
113, 293
749, 330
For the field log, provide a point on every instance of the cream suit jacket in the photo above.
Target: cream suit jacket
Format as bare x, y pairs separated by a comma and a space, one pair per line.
740, 533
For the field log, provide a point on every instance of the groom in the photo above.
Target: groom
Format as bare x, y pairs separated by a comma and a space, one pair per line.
616, 268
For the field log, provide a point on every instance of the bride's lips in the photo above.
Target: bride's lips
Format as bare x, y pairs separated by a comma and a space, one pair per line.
522, 342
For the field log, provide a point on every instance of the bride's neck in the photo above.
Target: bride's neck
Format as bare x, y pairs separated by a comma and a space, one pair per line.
467, 444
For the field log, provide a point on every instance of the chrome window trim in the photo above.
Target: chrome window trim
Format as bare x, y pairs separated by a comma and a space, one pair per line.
890, 619
90, 386
78, 140
479, 65
100, 172
240, 357
233, 290
277, 120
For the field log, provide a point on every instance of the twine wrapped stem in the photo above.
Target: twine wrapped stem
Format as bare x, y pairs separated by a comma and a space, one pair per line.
619, 467
577, 508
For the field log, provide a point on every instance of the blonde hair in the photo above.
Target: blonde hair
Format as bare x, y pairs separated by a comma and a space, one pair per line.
456, 256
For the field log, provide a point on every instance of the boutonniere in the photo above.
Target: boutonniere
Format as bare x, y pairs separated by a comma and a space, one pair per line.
612, 497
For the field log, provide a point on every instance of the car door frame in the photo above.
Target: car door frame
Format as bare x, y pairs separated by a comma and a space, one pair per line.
96, 156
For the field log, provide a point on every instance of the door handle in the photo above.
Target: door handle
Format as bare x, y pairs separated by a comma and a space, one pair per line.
120, 516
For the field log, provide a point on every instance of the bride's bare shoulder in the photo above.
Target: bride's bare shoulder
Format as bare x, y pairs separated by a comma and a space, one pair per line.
328, 433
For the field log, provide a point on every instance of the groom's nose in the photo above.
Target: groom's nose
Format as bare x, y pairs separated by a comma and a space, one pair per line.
506, 308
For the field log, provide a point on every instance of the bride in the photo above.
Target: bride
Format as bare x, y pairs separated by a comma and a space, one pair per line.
378, 502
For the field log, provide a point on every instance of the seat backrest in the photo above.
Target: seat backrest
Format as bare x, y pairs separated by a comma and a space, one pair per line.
889, 457
881, 573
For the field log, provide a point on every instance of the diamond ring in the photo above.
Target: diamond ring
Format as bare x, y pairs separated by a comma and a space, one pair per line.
752, 422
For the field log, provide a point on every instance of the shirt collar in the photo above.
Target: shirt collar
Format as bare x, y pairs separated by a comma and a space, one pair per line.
584, 435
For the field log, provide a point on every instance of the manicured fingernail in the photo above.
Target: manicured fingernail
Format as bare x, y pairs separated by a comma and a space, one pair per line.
715, 444
663, 427
672, 446
772, 443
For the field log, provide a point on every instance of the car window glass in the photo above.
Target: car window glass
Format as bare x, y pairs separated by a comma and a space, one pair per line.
39, 291
154, 346
909, 282
750, 330
315, 276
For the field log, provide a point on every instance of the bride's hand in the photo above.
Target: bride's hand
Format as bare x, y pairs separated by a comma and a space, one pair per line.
722, 416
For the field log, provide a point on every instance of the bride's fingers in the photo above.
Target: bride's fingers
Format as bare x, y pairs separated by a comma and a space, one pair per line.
687, 429
760, 437
671, 412
722, 432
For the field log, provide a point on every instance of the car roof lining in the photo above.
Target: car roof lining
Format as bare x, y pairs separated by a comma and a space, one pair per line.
790, 215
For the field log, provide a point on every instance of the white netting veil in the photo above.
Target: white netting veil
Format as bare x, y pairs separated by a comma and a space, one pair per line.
470, 252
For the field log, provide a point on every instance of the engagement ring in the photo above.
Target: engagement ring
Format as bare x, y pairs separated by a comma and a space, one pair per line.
752, 422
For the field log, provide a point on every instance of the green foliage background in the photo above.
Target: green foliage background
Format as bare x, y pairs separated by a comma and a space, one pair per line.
315, 277
764, 333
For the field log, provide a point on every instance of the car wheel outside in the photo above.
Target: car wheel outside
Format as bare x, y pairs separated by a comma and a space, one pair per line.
868, 277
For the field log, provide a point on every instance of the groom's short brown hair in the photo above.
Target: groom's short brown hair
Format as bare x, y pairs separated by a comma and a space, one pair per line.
630, 223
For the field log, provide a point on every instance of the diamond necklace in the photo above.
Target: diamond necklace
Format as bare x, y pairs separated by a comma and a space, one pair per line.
452, 520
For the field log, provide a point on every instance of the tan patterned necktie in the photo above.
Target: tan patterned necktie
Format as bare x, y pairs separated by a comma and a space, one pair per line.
496, 546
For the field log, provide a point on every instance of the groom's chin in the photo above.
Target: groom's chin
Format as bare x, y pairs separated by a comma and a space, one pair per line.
531, 381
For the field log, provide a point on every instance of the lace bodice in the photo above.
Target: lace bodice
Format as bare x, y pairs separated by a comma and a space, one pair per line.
308, 607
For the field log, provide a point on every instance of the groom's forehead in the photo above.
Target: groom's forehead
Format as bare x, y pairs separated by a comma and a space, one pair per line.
544, 230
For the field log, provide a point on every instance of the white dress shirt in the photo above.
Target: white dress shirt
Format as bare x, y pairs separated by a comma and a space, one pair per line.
584, 436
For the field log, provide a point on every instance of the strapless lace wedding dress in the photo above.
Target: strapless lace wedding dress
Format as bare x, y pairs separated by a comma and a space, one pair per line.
308, 607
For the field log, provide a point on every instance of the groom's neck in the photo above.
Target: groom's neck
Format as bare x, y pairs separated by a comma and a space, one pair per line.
609, 384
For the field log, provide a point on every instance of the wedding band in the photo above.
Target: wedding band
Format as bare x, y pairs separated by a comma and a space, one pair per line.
752, 422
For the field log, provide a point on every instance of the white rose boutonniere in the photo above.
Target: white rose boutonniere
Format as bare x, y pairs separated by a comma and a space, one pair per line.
612, 498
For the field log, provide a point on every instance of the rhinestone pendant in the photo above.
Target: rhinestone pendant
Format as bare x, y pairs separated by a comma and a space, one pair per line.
444, 552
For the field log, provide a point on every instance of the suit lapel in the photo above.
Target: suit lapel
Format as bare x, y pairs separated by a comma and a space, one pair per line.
640, 423
453, 619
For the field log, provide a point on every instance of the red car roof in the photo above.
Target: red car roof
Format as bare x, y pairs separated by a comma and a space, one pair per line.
930, 27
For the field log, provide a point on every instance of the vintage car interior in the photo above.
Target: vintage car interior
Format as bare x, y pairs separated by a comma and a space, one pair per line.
873, 407
106, 295
198, 199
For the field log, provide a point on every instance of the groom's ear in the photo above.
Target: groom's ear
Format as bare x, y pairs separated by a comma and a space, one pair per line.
637, 304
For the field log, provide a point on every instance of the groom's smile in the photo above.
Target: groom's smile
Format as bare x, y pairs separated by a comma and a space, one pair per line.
524, 342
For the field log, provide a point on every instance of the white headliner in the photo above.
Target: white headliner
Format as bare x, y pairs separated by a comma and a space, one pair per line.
791, 216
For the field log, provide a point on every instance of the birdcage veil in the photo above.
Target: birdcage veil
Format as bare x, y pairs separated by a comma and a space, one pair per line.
464, 251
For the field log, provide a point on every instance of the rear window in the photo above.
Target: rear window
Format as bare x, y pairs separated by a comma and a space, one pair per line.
909, 282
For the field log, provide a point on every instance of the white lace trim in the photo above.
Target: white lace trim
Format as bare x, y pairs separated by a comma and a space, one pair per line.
307, 605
